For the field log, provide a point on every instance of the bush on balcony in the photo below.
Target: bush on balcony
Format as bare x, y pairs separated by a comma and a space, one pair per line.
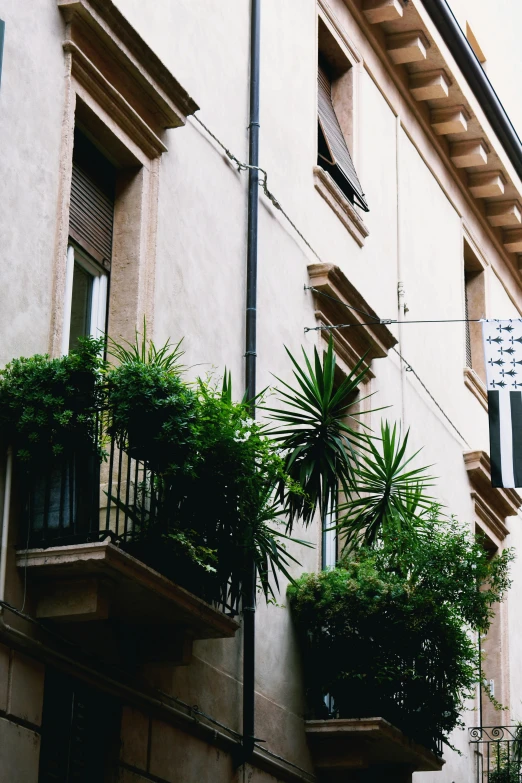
214, 472
391, 631
50, 406
400, 645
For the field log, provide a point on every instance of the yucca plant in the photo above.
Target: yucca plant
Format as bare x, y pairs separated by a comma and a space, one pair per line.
144, 351
316, 431
388, 499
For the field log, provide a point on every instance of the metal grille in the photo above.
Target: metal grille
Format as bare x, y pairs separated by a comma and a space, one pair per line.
498, 753
75, 500
334, 155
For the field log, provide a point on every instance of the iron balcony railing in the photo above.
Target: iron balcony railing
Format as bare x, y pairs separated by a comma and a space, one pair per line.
498, 753
73, 499
402, 702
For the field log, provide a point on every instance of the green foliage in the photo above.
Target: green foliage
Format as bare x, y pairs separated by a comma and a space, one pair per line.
394, 639
215, 474
505, 758
48, 406
388, 499
144, 351
315, 431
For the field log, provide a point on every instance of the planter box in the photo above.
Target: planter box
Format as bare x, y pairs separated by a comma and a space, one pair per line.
361, 749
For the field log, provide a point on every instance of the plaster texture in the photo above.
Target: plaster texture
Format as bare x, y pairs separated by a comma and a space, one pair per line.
181, 245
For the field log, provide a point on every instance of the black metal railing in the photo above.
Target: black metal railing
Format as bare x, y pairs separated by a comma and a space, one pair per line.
76, 499
413, 702
498, 753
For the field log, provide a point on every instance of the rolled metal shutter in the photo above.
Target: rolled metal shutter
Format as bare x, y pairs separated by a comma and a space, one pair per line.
91, 215
340, 164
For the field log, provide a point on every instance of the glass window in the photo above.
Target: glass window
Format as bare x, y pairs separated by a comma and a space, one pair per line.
86, 299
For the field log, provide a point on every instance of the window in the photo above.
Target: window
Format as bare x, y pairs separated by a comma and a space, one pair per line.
331, 546
89, 252
492, 651
80, 732
332, 151
474, 308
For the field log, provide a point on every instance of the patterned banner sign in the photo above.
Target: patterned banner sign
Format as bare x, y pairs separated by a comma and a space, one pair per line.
503, 354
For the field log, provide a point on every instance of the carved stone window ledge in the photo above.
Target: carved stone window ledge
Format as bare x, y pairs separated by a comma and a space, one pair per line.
492, 504
476, 385
344, 210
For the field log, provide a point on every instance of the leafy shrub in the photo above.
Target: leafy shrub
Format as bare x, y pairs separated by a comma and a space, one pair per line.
396, 640
48, 406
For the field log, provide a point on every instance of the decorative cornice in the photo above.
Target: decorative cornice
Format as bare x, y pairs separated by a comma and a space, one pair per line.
347, 306
415, 83
476, 385
107, 52
492, 504
344, 210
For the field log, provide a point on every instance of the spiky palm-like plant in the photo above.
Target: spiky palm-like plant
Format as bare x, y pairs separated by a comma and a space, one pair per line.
388, 497
316, 432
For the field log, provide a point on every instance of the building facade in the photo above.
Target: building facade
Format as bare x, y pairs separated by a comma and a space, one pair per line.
385, 186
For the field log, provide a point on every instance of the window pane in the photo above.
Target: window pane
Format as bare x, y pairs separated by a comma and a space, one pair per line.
81, 305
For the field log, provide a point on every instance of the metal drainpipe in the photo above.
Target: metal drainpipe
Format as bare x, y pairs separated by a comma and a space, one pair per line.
249, 598
5, 520
460, 48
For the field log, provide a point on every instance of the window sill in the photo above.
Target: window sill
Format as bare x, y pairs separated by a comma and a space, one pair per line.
476, 386
344, 210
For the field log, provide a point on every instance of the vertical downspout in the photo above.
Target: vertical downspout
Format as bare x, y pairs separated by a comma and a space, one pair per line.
249, 597
5, 520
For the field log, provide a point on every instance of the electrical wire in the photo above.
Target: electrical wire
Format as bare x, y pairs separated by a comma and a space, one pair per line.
263, 182
388, 321
409, 368
334, 299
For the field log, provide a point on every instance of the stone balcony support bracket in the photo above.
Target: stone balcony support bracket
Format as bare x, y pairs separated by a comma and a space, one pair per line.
99, 581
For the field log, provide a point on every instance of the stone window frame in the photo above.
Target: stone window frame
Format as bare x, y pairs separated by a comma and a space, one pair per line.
123, 98
492, 507
346, 52
474, 261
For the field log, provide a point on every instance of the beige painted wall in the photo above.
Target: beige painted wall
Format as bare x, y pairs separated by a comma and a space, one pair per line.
416, 230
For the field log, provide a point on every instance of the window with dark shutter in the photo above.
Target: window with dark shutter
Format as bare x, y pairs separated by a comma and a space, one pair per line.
80, 731
466, 316
91, 218
91, 214
333, 153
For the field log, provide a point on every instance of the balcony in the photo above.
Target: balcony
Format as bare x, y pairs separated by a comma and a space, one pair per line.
361, 749
89, 556
498, 753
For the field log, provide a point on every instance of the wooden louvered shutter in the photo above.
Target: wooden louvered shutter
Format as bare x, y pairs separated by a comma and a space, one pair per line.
334, 155
466, 316
91, 215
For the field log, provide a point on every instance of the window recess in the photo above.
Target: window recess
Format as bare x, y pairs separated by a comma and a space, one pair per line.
332, 153
89, 253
